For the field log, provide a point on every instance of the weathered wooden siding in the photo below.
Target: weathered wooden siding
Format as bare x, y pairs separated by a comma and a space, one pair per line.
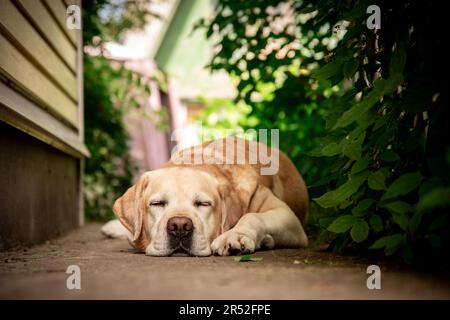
38, 191
41, 121
38, 55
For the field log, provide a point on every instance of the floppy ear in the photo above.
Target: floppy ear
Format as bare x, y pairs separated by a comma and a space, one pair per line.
231, 208
236, 199
130, 208
246, 190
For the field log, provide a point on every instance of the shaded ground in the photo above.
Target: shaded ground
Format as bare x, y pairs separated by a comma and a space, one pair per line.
110, 270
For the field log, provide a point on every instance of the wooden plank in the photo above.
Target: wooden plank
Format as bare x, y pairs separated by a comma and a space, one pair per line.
48, 28
80, 78
39, 190
23, 114
58, 10
32, 42
22, 73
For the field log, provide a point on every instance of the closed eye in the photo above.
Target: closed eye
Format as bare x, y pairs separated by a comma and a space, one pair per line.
158, 203
198, 203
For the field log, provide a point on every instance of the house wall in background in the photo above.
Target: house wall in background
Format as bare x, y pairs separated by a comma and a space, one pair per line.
41, 122
38, 190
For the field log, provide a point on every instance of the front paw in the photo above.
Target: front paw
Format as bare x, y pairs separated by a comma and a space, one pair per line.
232, 243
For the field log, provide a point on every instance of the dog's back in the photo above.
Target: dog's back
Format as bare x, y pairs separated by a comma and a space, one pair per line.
233, 155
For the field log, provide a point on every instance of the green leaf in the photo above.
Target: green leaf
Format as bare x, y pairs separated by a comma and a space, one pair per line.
353, 114
389, 156
247, 258
353, 149
390, 243
414, 222
376, 180
362, 107
380, 243
376, 223
399, 210
436, 198
360, 165
342, 224
398, 207
362, 207
386, 136
379, 86
328, 70
360, 231
392, 84
429, 185
335, 197
350, 68
345, 204
402, 220
331, 149
403, 185
325, 222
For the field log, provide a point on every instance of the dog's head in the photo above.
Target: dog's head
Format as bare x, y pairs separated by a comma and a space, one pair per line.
179, 210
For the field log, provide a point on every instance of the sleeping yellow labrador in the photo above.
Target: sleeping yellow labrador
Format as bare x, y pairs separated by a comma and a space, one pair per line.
217, 198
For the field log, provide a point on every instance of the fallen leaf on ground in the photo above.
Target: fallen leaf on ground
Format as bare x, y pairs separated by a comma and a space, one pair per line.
247, 258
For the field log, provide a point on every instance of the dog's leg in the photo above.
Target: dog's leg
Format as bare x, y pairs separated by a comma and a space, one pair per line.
115, 229
269, 223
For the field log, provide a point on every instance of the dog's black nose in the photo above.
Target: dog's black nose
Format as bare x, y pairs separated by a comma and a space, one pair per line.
180, 227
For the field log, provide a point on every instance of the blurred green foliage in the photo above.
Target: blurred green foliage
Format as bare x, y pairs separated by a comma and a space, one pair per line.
110, 91
108, 171
361, 112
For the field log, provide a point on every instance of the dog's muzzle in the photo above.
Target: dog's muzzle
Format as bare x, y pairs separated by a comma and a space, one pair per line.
180, 231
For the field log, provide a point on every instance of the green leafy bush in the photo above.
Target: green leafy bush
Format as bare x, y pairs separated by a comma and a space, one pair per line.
108, 171
110, 91
370, 105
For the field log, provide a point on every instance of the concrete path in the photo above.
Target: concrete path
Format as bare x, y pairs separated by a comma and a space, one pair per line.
111, 270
